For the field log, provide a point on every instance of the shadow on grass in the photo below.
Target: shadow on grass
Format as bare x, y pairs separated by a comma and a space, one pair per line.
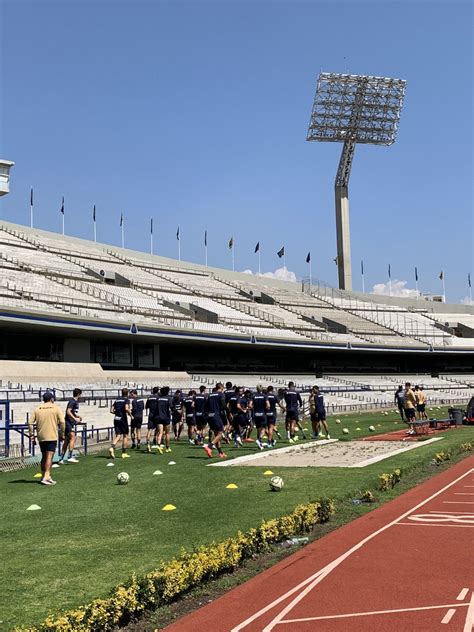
22, 480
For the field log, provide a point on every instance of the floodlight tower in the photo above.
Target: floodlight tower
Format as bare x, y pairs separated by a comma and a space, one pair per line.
353, 109
5, 166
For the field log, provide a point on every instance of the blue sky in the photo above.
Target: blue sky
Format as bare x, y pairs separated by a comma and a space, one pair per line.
196, 113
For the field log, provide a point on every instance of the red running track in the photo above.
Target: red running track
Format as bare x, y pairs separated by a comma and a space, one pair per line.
407, 566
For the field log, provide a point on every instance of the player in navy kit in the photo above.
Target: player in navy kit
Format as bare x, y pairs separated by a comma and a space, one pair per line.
71, 418
273, 401
137, 408
164, 419
177, 413
152, 408
121, 412
260, 407
216, 413
318, 413
292, 403
200, 412
190, 416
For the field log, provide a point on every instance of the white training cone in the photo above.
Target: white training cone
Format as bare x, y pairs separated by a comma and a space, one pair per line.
172, 463
157, 472
33, 508
110, 464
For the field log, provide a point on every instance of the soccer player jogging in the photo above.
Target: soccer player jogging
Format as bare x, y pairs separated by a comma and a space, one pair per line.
190, 416
177, 413
410, 407
292, 403
200, 412
217, 419
152, 407
400, 401
46, 419
260, 406
319, 413
273, 400
420, 403
237, 412
121, 412
71, 419
138, 406
164, 419
228, 393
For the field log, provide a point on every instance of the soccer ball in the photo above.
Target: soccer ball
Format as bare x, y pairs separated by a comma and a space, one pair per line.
371, 428
345, 431
385, 413
338, 421
123, 478
276, 483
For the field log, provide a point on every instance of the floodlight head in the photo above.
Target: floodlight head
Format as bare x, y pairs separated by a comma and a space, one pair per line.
5, 166
356, 108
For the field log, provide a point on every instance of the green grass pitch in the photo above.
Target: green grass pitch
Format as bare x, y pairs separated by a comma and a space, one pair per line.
92, 533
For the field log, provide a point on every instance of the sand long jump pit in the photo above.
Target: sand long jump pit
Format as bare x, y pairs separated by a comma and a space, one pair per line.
327, 453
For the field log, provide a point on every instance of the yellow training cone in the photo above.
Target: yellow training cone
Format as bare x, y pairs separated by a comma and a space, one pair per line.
232, 486
168, 508
39, 475
268, 473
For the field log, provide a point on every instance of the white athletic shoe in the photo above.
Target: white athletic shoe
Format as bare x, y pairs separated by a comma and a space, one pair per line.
259, 444
72, 459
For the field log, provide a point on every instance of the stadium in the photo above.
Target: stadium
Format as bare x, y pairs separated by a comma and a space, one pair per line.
186, 447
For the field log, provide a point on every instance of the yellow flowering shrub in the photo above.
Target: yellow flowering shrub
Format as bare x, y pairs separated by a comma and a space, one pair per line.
184, 572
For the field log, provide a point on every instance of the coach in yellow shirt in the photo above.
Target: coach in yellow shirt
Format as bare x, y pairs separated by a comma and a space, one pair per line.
410, 406
46, 419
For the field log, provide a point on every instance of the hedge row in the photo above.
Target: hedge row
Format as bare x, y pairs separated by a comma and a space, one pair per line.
129, 600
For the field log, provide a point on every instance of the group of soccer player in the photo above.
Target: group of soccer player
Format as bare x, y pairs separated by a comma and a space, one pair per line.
226, 414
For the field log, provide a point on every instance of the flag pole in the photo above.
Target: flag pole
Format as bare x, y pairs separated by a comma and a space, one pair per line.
123, 235
259, 266
63, 222
233, 259
310, 275
444, 289
151, 236
93, 223
205, 248
31, 207
62, 214
470, 289
362, 275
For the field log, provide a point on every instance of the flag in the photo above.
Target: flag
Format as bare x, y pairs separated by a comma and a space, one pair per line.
93, 214
362, 267
469, 279
31, 196
177, 234
151, 226
416, 274
257, 247
336, 260
121, 219
205, 237
231, 243
441, 275
308, 257
62, 207
389, 272
281, 252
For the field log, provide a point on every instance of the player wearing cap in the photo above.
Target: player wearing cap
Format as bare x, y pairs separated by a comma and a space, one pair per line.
45, 420
121, 411
71, 418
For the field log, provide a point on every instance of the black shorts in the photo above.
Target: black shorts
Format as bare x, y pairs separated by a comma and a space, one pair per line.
47, 446
163, 422
260, 421
190, 421
410, 413
201, 421
69, 428
177, 419
216, 424
136, 422
320, 415
152, 423
291, 415
121, 427
421, 408
271, 419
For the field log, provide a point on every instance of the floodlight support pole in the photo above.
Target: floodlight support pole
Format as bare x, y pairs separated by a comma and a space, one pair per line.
341, 189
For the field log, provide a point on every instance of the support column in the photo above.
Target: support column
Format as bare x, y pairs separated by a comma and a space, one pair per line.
343, 239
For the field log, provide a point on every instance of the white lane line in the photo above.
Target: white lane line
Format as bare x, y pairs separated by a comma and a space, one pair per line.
469, 513
464, 493
366, 614
458, 502
469, 623
448, 616
468, 485
315, 579
462, 594
430, 524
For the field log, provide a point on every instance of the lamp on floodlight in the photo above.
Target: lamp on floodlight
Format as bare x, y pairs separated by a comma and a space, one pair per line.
353, 109
5, 166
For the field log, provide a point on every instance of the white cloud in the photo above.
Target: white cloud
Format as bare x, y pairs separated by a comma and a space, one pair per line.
398, 288
467, 301
283, 274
